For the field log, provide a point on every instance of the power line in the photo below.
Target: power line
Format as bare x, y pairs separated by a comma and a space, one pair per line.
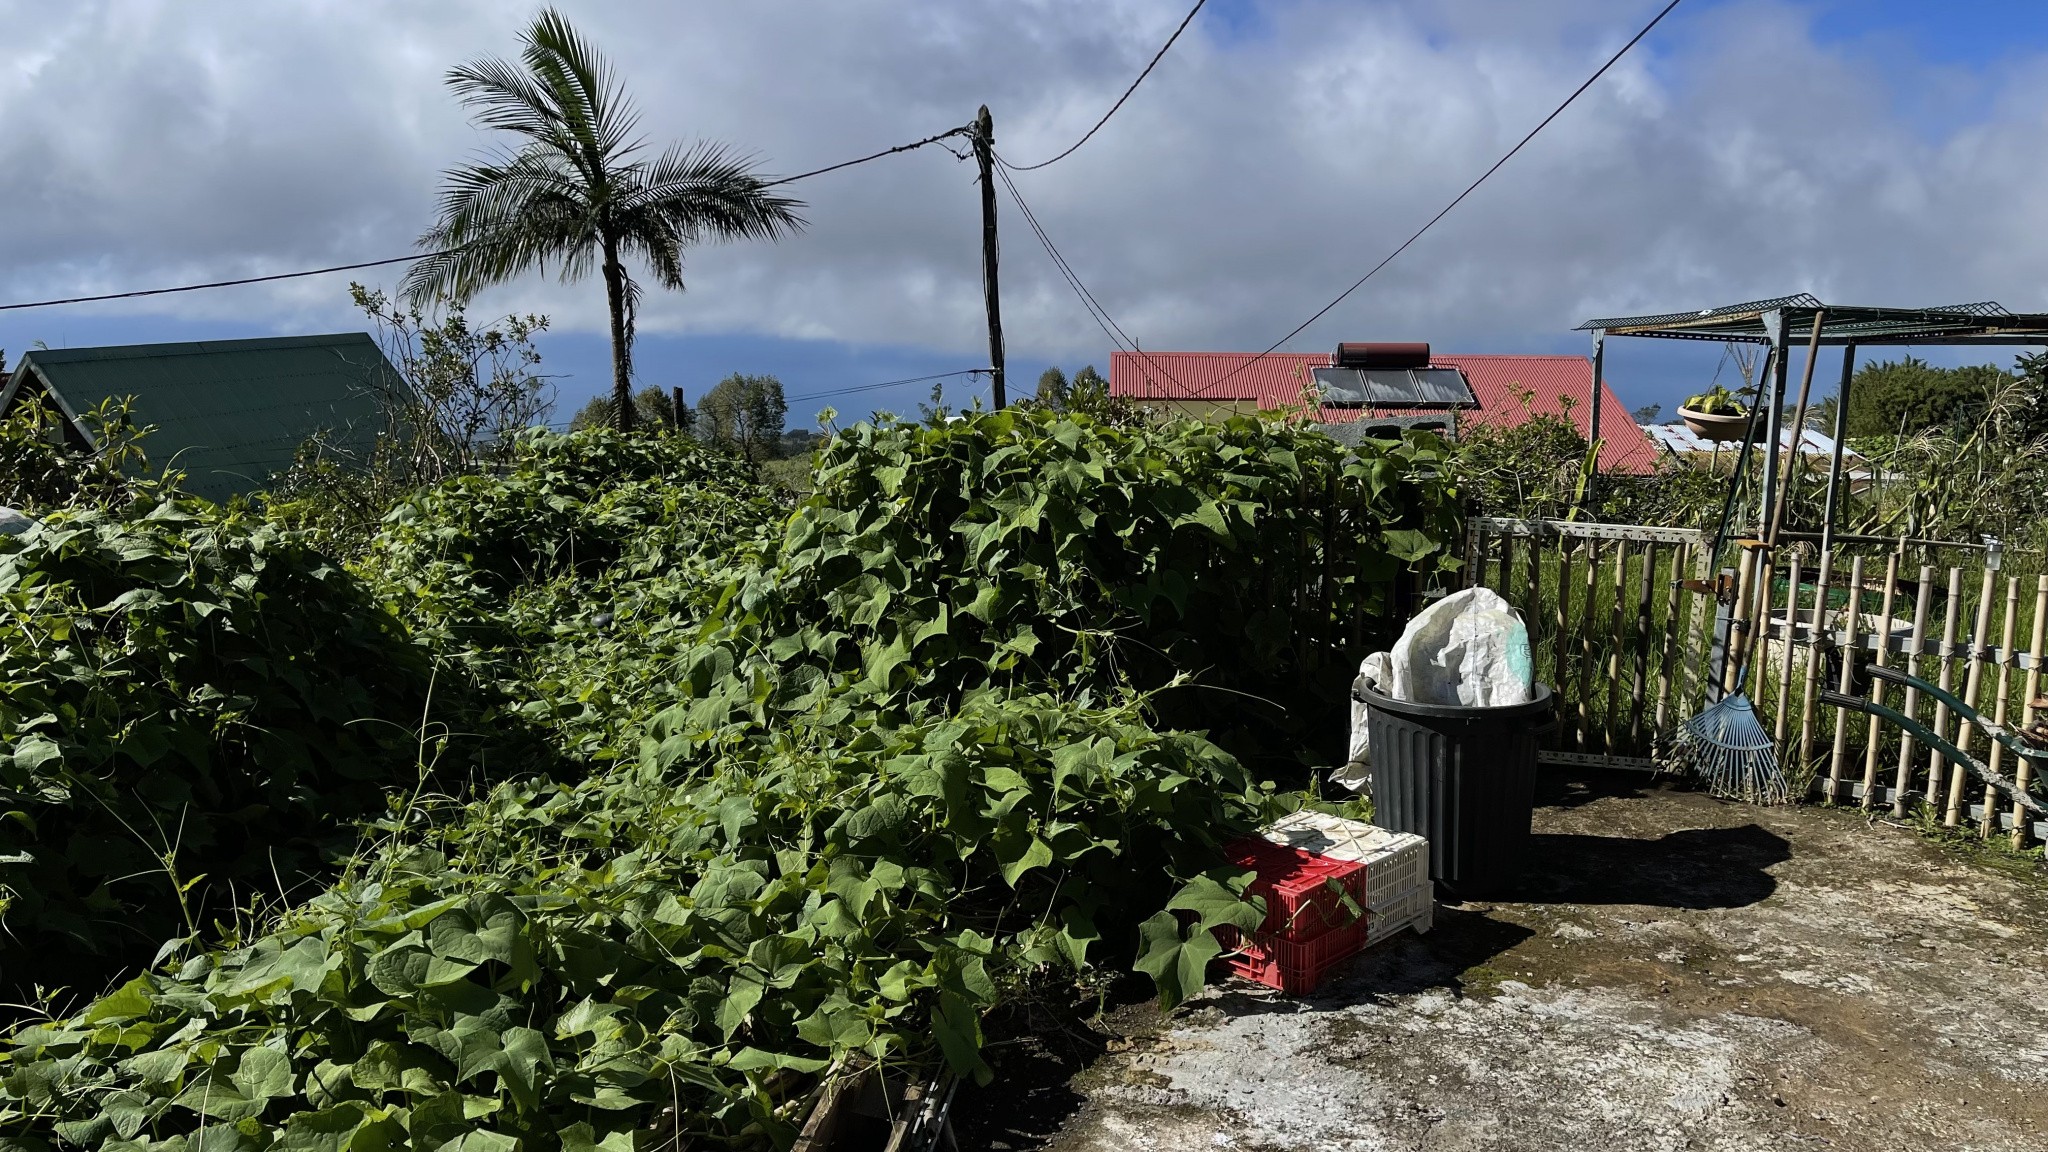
1469, 189
224, 283
423, 255
951, 132
1096, 312
884, 384
1157, 57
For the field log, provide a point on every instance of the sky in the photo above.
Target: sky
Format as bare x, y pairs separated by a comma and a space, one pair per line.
1867, 151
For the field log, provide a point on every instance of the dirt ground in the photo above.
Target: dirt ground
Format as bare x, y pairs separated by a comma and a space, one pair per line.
1676, 973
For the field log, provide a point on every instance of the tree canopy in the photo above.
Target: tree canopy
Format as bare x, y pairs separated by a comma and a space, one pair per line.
577, 193
745, 412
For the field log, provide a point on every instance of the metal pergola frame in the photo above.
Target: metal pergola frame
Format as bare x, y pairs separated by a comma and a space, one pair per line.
1778, 322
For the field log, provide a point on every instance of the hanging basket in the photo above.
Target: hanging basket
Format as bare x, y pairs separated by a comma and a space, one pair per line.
1718, 426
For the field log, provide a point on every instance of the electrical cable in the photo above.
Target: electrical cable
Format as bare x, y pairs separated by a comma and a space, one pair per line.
1117, 336
951, 132
1460, 198
423, 255
223, 283
884, 384
1157, 57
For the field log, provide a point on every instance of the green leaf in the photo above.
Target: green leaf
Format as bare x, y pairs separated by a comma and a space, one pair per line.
1215, 897
135, 998
264, 1074
1036, 854
884, 815
740, 999
33, 752
755, 1060
957, 1027
1177, 964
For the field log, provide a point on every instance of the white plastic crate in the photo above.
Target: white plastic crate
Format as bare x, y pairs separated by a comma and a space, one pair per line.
1416, 910
1397, 863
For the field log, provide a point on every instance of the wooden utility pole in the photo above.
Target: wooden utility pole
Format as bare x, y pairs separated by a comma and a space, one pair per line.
984, 136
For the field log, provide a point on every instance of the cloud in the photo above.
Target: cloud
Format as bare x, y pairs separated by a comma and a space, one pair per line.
1265, 165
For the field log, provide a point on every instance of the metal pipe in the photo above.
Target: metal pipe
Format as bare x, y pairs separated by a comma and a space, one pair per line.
1827, 527
1593, 414
1793, 457
1774, 323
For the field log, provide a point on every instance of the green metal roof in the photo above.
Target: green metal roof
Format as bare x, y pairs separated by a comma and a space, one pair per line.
229, 413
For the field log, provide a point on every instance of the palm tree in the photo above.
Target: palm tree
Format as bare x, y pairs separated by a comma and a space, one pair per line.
579, 193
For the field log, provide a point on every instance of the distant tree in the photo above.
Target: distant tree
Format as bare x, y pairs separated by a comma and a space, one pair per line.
576, 195
1910, 396
468, 390
652, 408
745, 413
1052, 389
1088, 393
1648, 413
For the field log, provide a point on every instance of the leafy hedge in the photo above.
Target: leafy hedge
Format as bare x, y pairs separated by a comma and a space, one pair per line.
193, 708
857, 774
568, 963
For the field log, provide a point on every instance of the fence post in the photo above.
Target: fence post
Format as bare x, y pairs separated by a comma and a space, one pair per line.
2023, 775
1921, 596
1937, 763
1784, 725
1965, 732
1884, 647
1854, 616
2006, 659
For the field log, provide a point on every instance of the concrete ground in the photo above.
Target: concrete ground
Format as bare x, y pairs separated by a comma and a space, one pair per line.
1677, 973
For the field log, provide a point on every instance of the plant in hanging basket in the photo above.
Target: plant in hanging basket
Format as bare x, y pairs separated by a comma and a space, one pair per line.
1716, 414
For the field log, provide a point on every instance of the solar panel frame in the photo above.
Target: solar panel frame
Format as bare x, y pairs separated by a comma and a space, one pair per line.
1394, 388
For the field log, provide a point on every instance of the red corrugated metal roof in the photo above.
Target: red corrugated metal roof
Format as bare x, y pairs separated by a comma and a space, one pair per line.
1499, 382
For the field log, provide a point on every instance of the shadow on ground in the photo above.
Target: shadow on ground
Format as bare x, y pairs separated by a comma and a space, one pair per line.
1692, 868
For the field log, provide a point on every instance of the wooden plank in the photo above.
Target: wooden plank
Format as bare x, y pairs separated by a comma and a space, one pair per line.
1738, 622
1585, 530
1887, 795
1595, 760
1587, 662
1937, 763
1922, 596
1884, 636
1760, 631
1811, 690
1560, 640
1980, 639
1783, 732
2023, 775
1674, 599
1617, 644
1699, 632
1855, 617
1641, 647
1582, 648
2005, 663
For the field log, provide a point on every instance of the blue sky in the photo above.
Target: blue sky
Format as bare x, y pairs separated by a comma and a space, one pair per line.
1867, 150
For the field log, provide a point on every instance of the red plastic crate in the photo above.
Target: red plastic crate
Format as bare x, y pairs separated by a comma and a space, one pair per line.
1295, 967
1300, 903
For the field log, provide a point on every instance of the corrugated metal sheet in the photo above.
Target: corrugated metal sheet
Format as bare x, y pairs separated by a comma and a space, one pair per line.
1678, 438
230, 413
1510, 390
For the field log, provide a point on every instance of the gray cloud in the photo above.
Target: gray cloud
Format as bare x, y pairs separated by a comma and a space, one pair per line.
1252, 177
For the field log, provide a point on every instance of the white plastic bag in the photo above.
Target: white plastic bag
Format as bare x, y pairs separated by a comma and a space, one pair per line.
1470, 649
13, 523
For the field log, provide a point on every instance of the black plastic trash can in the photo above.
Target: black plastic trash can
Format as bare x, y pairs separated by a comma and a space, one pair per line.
1464, 778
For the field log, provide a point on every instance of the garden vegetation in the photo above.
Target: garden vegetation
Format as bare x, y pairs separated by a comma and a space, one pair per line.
626, 798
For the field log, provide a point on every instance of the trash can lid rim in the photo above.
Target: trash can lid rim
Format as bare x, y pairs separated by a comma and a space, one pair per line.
1538, 702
